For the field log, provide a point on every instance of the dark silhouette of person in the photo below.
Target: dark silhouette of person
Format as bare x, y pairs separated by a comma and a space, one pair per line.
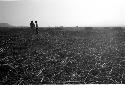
32, 25
36, 27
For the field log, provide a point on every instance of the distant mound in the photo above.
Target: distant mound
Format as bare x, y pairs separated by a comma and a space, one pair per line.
5, 25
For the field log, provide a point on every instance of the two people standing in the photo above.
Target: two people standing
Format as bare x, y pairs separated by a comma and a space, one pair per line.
34, 26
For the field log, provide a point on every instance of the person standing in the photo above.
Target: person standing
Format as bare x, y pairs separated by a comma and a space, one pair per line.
32, 25
36, 27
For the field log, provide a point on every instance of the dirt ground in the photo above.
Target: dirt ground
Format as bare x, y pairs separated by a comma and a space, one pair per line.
60, 56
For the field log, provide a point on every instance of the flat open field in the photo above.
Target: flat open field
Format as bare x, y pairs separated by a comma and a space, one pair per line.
60, 56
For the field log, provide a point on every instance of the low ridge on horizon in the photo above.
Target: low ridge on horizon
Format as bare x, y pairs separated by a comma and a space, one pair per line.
5, 25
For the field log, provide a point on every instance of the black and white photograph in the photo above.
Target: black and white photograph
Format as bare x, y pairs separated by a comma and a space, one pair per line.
62, 42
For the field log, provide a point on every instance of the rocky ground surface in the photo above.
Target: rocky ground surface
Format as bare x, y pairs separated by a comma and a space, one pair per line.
62, 57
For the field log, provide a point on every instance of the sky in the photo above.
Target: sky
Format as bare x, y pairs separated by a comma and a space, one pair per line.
63, 12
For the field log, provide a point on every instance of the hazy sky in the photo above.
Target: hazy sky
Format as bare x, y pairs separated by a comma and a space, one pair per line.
63, 12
